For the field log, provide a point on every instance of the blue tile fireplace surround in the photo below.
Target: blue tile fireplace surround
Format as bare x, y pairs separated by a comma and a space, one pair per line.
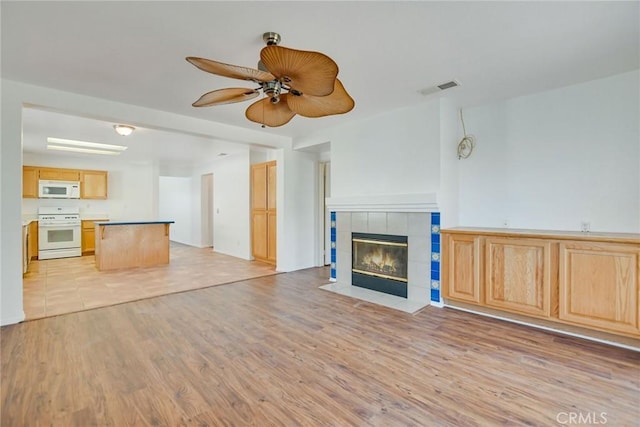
421, 230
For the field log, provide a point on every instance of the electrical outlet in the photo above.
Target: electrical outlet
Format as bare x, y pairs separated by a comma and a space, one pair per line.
585, 226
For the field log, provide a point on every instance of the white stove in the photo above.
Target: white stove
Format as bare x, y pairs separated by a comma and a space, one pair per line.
59, 232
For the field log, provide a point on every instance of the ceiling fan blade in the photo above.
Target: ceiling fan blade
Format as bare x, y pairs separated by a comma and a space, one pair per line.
232, 71
225, 96
339, 102
311, 73
272, 115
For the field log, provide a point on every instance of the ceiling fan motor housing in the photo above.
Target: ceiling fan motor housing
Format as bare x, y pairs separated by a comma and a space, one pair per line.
272, 89
271, 38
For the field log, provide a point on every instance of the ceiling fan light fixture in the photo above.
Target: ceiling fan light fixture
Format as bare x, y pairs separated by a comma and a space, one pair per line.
124, 130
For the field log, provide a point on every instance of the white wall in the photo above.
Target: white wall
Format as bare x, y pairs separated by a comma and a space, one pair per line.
297, 207
393, 153
231, 206
175, 204
555, 159
11, 209
450, 134
131, 188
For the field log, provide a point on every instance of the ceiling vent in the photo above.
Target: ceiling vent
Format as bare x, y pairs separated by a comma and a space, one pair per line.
440, 87
448, 85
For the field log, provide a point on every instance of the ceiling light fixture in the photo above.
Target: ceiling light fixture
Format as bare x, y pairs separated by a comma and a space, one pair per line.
124, 130
82, 150
86, 144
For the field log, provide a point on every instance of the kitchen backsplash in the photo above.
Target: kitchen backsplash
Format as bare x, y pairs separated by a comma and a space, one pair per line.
89, 209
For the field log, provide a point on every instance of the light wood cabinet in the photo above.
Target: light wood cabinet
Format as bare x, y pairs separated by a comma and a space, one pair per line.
59, 174
599, 285
89, 235
30, 182
263, 212
93, 184
567, 279
259, 233
519, 275
462, 267
33, 240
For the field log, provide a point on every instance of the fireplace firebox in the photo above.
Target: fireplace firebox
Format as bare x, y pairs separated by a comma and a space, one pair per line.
379, 262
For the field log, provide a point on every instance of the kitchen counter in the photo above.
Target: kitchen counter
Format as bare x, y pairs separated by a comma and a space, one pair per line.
129, 244
134, 222
92, 216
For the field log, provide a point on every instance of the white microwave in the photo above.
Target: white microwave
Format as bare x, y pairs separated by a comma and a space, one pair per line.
58, 189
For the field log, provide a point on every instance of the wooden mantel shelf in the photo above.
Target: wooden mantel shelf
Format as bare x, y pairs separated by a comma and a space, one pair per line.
131, 244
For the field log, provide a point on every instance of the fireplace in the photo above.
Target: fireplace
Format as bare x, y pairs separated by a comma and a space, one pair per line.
379, 262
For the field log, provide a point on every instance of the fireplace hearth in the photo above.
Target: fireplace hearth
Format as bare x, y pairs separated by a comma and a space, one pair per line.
379, 263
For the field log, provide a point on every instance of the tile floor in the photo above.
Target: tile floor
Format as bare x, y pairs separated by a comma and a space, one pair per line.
59, 286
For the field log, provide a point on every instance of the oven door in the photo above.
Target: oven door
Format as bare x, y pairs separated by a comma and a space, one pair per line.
55, 236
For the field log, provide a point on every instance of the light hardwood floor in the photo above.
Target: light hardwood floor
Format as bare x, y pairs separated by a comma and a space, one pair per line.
278, 351
59, 286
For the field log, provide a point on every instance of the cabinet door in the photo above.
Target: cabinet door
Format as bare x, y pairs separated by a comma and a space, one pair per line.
29, 182
519, 275
263, 211
271, 186
462, 267
93, 185
88, 240
33, 240
259, 186
59, 174
259, 235
599, 285
89, 234
271, 237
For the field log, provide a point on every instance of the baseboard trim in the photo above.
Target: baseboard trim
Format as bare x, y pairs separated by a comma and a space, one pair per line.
596, 336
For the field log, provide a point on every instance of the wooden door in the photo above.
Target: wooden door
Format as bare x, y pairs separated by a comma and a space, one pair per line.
263, 211
519, 275
462, 267
599, 285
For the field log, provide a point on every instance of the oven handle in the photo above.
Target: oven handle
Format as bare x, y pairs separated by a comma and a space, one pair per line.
58, 225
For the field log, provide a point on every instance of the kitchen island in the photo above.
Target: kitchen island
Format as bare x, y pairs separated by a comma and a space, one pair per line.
129, 244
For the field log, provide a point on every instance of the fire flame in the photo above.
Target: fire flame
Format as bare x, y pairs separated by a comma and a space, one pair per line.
380, 260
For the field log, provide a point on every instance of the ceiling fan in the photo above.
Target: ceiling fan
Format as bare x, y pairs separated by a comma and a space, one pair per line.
293, 82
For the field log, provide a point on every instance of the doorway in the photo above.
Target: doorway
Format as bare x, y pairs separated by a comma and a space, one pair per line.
206, 197
324, 226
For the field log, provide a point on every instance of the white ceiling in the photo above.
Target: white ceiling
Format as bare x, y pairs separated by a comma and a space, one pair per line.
133, 52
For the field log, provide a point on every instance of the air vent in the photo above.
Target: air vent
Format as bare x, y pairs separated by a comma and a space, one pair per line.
440, 87
448, 85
